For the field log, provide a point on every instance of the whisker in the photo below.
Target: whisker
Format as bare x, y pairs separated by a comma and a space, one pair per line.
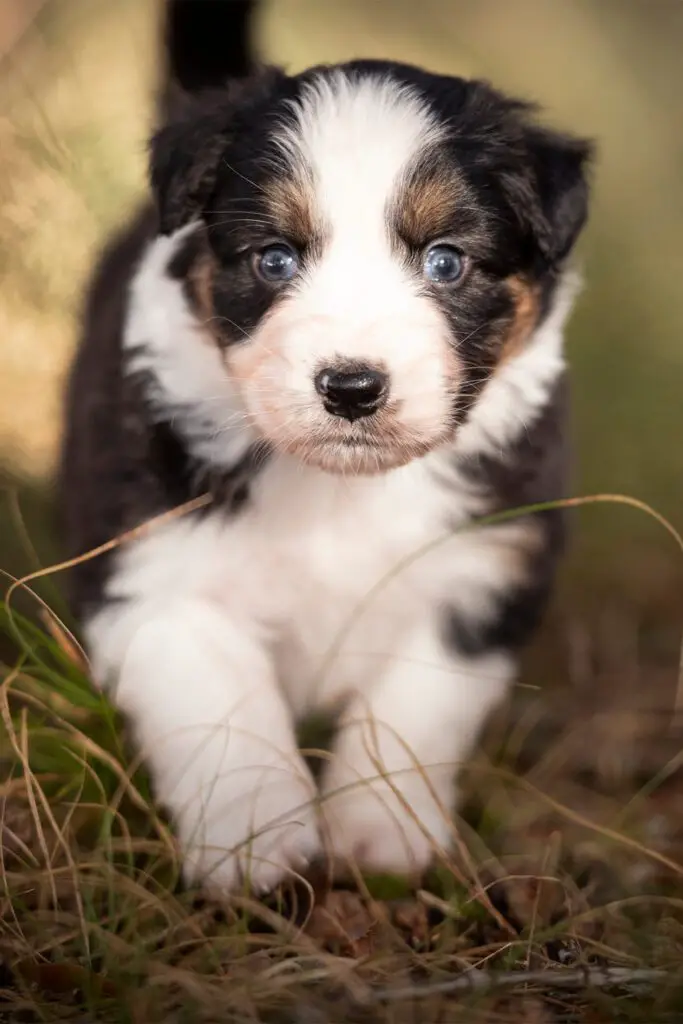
235, 221
254, 184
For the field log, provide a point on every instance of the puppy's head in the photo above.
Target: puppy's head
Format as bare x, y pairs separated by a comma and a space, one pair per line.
372, 242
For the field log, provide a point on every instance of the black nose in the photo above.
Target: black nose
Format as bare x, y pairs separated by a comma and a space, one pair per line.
352, 395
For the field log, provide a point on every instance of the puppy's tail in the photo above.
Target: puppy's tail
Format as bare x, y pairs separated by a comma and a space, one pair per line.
207, 43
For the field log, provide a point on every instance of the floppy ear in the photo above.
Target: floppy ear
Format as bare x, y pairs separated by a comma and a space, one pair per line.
560, 165
184, 159
543, 173
186, 154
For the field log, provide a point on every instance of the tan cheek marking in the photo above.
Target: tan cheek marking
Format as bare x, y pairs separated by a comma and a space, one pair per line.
200, 285
525, 318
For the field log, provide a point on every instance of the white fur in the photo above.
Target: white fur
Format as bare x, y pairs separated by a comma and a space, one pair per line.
209, 719
313, 597
389, 789
355, 139
168, 342
224, 639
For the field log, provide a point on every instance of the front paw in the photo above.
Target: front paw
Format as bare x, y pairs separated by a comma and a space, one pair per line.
252, 839
369, 827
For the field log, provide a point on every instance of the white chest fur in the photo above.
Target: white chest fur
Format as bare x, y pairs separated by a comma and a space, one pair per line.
320, 590
326, 572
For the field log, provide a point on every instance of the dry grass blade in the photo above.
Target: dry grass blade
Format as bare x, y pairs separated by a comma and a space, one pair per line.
493, 520
20, 747
618, 838
139, 531
64, 641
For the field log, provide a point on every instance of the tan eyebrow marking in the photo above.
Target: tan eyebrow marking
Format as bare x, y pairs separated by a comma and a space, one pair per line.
427, 204
291, 204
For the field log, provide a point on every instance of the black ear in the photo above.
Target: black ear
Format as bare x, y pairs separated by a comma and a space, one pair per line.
184, 159
186, 154
560, 165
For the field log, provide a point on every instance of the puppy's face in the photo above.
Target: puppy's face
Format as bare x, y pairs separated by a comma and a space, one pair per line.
372, 243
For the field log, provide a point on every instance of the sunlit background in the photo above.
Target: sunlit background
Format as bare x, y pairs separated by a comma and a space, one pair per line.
77, 79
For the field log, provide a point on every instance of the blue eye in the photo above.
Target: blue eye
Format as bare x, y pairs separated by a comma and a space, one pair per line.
277, 263
443, 264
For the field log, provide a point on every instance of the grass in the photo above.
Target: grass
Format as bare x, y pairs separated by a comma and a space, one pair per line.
95, 921
559, 893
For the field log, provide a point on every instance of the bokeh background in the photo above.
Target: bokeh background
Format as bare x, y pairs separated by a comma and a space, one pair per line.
77, 81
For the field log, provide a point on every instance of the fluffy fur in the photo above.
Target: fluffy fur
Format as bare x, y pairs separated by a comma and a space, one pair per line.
334, 569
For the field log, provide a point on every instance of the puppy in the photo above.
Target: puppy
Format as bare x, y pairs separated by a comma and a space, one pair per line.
342, 317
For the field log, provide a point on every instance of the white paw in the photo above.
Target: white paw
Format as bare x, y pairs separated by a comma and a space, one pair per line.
368, 826
251, 839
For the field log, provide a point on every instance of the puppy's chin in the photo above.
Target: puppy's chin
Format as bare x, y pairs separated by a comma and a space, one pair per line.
346, 457
353, 460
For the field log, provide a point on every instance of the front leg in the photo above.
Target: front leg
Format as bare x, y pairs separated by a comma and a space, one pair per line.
214, 728
389, 789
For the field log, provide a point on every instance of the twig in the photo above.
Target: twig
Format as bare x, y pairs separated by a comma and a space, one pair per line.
486, 981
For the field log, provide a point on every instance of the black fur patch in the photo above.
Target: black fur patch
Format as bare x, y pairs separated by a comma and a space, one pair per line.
533, 471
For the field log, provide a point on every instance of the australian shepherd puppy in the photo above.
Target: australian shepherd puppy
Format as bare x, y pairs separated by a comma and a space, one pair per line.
342, 317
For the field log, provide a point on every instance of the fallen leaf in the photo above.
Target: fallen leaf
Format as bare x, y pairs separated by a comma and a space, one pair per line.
343, 923
412, 918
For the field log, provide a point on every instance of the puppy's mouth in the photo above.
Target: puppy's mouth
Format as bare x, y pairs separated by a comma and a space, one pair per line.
362, 453
367, 446
370, 443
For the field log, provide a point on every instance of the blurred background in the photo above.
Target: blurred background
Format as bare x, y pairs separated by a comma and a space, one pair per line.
77, 81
